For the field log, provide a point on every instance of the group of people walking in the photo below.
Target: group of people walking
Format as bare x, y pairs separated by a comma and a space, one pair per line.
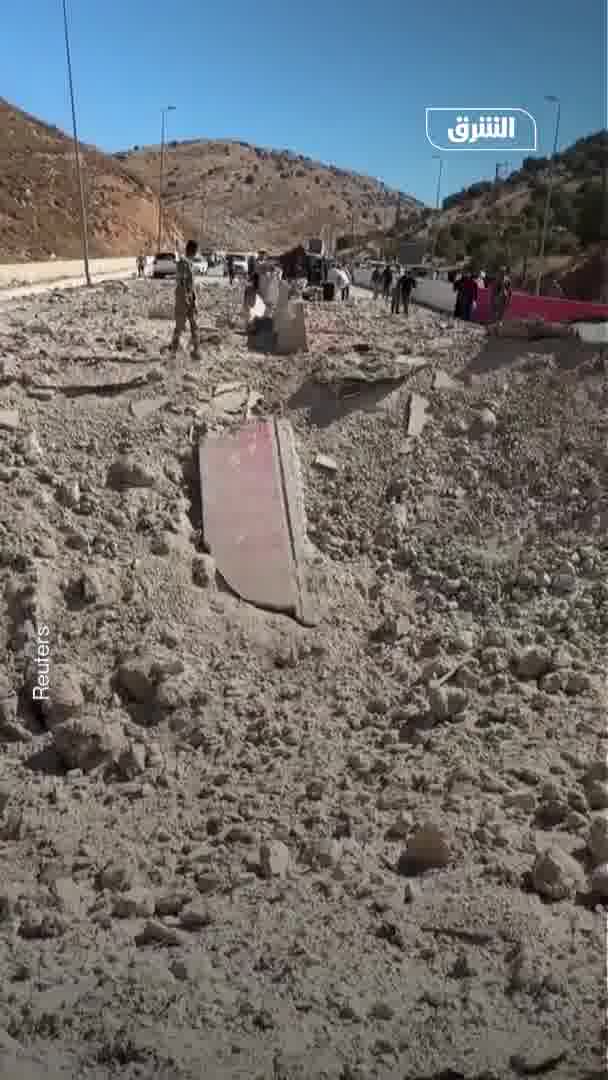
466, 286
396, 289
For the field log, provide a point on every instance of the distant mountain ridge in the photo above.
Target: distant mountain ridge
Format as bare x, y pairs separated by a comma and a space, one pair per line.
233, 193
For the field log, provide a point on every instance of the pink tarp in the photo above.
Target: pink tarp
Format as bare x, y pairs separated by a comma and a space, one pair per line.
549, 308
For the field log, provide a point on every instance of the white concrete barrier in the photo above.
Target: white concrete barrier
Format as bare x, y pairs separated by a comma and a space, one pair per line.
33, 273
438, 295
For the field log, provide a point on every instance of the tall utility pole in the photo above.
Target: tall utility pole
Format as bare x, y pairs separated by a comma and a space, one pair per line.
201, 227
83, 211
437, 198
604, 228
541, 254
163, 113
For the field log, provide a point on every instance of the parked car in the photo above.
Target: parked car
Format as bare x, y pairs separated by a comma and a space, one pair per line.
200, 265
164, 265
240, 265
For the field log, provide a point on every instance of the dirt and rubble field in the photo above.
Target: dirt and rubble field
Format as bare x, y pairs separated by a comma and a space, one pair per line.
233, 847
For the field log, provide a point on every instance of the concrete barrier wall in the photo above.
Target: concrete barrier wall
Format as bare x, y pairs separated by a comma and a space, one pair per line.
34, 273
438, 295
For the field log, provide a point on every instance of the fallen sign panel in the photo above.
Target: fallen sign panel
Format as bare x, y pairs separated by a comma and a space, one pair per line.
252, 515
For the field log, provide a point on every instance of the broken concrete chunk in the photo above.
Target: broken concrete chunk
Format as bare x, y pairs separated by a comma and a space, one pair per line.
142, 409
443, 381
230, 397
9, 419
323, 461
125, 473
417, 415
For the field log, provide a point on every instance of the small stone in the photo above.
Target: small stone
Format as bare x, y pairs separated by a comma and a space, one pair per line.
116, 877
598, 838
323, 461
533, 662
447, 702
88, 742
203, 571
427, 849
68, 895
381, 1010
599, 880
156, 933
171, 904
134, 676
579, 682
521, 800
9, 419
485, 421
597, 795
563, 584
553, 683
66, 699
238, 834
41, 926
556, 875
195, 917
314, 791
132, 760
128, 473
137, 903
274, 859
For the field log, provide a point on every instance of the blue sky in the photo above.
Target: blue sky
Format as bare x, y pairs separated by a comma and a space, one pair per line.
345, 82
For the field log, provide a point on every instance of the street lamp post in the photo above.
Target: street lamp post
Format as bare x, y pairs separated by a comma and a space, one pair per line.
163, 112
83, 212
202, 223
541, 254
436, 157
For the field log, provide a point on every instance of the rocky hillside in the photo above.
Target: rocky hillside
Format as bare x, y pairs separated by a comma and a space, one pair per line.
238, 195
501, 221
39, 212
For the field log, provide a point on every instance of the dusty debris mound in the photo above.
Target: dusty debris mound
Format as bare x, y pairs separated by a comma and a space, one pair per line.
233, 846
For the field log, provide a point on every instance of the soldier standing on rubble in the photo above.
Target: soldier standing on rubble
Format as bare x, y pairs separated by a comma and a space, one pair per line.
185, 302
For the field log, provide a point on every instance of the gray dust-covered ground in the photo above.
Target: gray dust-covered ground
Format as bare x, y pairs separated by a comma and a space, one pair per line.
235, 848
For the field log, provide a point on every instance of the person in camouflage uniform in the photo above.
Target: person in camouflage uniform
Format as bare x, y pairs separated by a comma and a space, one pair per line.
185, 301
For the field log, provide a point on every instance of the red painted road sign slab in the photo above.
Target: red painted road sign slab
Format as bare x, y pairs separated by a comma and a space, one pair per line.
247, 517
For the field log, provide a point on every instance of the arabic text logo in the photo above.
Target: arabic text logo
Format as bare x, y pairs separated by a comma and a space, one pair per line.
495, 129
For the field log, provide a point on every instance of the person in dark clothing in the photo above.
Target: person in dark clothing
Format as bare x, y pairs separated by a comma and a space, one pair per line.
466, 296
387, 281
230, 268
402, 293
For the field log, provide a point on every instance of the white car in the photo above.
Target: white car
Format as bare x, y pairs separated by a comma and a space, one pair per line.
200, 265
164, 265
